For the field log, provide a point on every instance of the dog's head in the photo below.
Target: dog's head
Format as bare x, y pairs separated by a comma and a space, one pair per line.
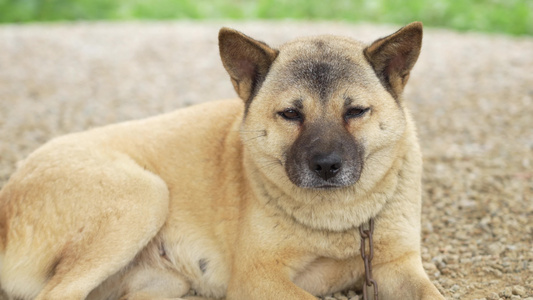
320, 110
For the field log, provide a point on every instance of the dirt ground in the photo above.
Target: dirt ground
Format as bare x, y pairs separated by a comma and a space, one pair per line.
471, 95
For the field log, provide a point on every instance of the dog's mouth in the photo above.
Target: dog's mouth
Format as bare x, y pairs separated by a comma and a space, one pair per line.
327, 187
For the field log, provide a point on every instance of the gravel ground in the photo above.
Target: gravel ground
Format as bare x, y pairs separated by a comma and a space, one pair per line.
471, 95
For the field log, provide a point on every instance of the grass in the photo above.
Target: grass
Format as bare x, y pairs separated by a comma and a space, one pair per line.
504, 16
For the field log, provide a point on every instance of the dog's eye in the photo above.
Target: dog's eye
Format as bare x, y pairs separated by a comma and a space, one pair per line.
291, 114
356, 112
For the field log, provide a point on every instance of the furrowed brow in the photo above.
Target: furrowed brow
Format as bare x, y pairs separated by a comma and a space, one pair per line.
347, 101
298, 103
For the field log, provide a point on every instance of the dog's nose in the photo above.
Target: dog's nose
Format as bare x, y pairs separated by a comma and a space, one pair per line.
326, 166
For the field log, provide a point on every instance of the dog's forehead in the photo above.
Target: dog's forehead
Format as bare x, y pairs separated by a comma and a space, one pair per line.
338, 53
321, 64
322, 43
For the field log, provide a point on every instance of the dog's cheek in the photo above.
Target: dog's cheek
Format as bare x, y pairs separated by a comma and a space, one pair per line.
382, 128
270, 146
387, 133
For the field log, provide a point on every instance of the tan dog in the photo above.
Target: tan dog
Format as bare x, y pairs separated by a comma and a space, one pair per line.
260, 199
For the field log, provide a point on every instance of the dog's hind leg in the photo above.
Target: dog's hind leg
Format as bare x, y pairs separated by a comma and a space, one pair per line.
125, 208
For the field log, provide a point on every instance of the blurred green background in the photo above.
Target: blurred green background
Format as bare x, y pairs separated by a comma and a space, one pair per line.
503, 16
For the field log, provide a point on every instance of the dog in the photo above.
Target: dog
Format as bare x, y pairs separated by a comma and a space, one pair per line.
260, 197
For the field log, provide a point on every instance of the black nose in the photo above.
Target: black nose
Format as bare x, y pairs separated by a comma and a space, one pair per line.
326, 166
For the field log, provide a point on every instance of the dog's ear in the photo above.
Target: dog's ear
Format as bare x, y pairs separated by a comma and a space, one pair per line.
246, 60
394, 56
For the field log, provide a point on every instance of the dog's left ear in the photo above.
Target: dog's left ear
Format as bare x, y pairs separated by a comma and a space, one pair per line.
394, 56
246, 60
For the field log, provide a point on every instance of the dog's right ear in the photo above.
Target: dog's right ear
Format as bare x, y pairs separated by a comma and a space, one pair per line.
246, 60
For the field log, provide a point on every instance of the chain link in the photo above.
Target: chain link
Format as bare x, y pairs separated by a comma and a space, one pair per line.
366, 234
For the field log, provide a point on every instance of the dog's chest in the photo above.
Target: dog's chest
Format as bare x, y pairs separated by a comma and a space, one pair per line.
335, 245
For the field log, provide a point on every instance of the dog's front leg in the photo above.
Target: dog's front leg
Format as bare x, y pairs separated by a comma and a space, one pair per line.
264, 280
405, 278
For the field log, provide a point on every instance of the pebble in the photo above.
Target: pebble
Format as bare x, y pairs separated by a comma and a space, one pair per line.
454, 288
340, 296
351, 294
495, 249
507, 292
519, 290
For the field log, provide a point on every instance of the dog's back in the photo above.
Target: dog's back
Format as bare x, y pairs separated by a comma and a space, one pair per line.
56, 206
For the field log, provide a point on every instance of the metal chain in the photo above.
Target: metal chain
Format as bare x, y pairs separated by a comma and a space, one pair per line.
366, 234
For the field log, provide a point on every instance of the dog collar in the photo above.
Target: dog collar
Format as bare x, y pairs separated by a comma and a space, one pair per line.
366, 234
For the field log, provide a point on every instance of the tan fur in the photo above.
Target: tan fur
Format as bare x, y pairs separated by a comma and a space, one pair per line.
201, 198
